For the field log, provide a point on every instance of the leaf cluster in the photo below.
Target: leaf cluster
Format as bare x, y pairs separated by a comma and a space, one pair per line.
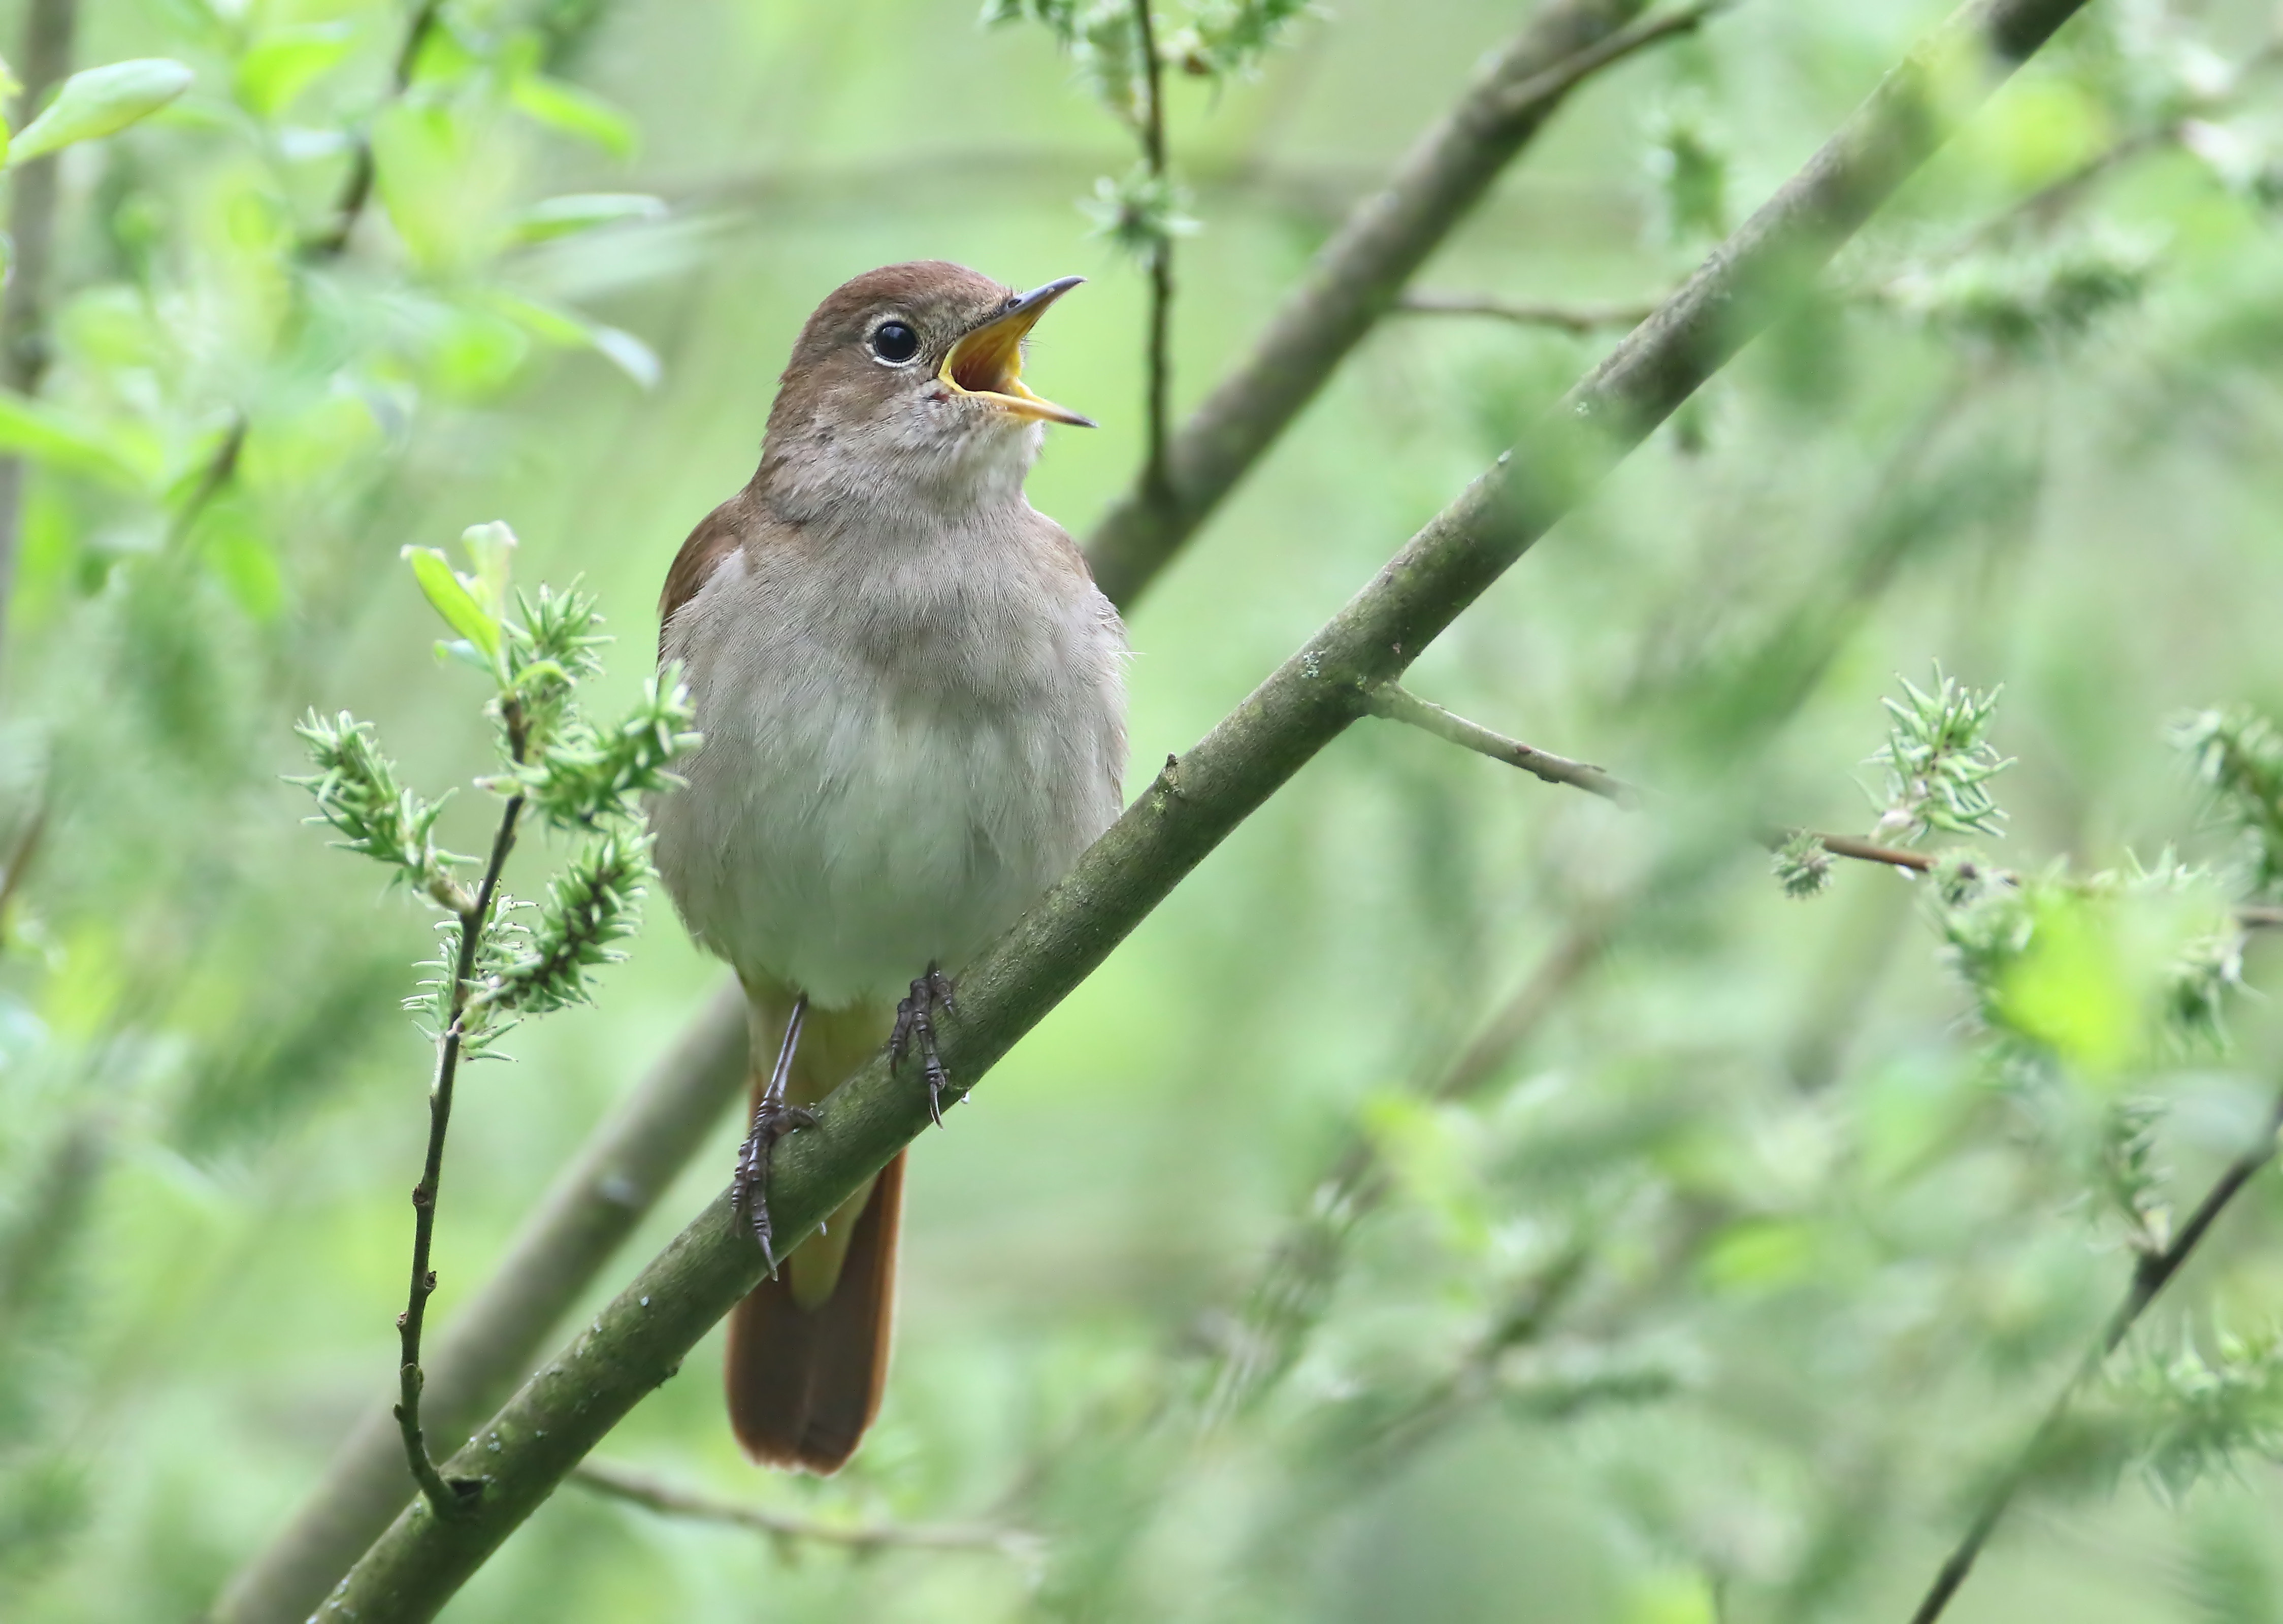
2026, 304
2194, 1416
1939, 762
2237, 755
562, 766
357, 794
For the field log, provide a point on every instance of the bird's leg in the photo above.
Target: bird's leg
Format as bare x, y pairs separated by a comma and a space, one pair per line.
915, 1023
773, 1119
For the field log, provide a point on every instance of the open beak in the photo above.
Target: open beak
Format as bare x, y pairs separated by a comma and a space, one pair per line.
987, 360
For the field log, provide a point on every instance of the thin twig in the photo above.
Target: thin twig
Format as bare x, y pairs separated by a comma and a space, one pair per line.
357, 191
1578, 318
492, 1340
1396, 703
441, 1493
639, 1487
2152, 1273
1155, 481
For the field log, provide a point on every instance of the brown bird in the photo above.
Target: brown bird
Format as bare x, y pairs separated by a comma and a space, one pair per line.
913, 703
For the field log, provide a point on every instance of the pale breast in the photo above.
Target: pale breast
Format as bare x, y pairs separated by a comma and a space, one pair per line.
905, 745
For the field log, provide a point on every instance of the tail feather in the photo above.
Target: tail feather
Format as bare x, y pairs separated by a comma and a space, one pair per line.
805, 1382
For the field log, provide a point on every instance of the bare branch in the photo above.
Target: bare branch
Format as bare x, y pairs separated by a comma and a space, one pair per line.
639, 1487
639, 1340
1155, 485
1358, 274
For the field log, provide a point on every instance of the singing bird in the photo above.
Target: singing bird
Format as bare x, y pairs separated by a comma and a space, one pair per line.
913, 705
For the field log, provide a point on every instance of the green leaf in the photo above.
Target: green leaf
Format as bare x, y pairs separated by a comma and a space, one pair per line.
491, 548
554, 324
570, 111
284, 62
100, 101
48, 435
562, 216
448, 592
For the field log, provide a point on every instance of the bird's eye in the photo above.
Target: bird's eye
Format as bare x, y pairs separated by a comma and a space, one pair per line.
894, 342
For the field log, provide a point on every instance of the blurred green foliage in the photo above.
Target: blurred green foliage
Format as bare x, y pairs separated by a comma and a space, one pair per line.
1464, 1199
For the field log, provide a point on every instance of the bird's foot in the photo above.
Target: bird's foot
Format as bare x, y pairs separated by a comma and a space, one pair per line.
749, 1189
915, 1025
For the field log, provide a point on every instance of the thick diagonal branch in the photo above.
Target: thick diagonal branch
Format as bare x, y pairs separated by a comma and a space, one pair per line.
639, 1340
666, 1118
1357, 275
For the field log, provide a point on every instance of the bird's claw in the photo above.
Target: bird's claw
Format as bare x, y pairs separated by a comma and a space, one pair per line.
915, 1025
749, 1189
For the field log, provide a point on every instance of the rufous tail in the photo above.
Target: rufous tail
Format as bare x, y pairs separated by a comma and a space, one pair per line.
808, 1350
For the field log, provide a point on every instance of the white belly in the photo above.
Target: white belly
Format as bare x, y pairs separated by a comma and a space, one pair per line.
889, 777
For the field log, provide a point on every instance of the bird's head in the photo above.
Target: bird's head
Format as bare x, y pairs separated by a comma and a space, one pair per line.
912, 375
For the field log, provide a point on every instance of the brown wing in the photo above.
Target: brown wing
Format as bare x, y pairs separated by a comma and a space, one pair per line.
720, 534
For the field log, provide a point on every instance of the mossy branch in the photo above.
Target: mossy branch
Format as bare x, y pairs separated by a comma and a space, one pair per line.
638, 1341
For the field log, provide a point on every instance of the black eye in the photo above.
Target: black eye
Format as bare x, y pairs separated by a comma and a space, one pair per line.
894, 341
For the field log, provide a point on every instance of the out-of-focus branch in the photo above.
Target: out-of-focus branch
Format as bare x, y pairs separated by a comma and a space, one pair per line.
1358, 274
1580, 318
1153, 486
490, 1344
356, 191
639, 1338
625, 1483
45, 62
1256, 1345
221, 468
2150, 1276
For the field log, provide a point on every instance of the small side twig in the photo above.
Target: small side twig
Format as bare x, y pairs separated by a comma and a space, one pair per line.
1156, 482
640, 1489
441, 1493
1578, 318
2150, 1276
1396, 703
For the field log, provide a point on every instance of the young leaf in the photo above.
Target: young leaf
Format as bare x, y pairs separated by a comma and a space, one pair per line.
491, 548
99, 101
554, 217
570, 111
448, 592
283, 62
